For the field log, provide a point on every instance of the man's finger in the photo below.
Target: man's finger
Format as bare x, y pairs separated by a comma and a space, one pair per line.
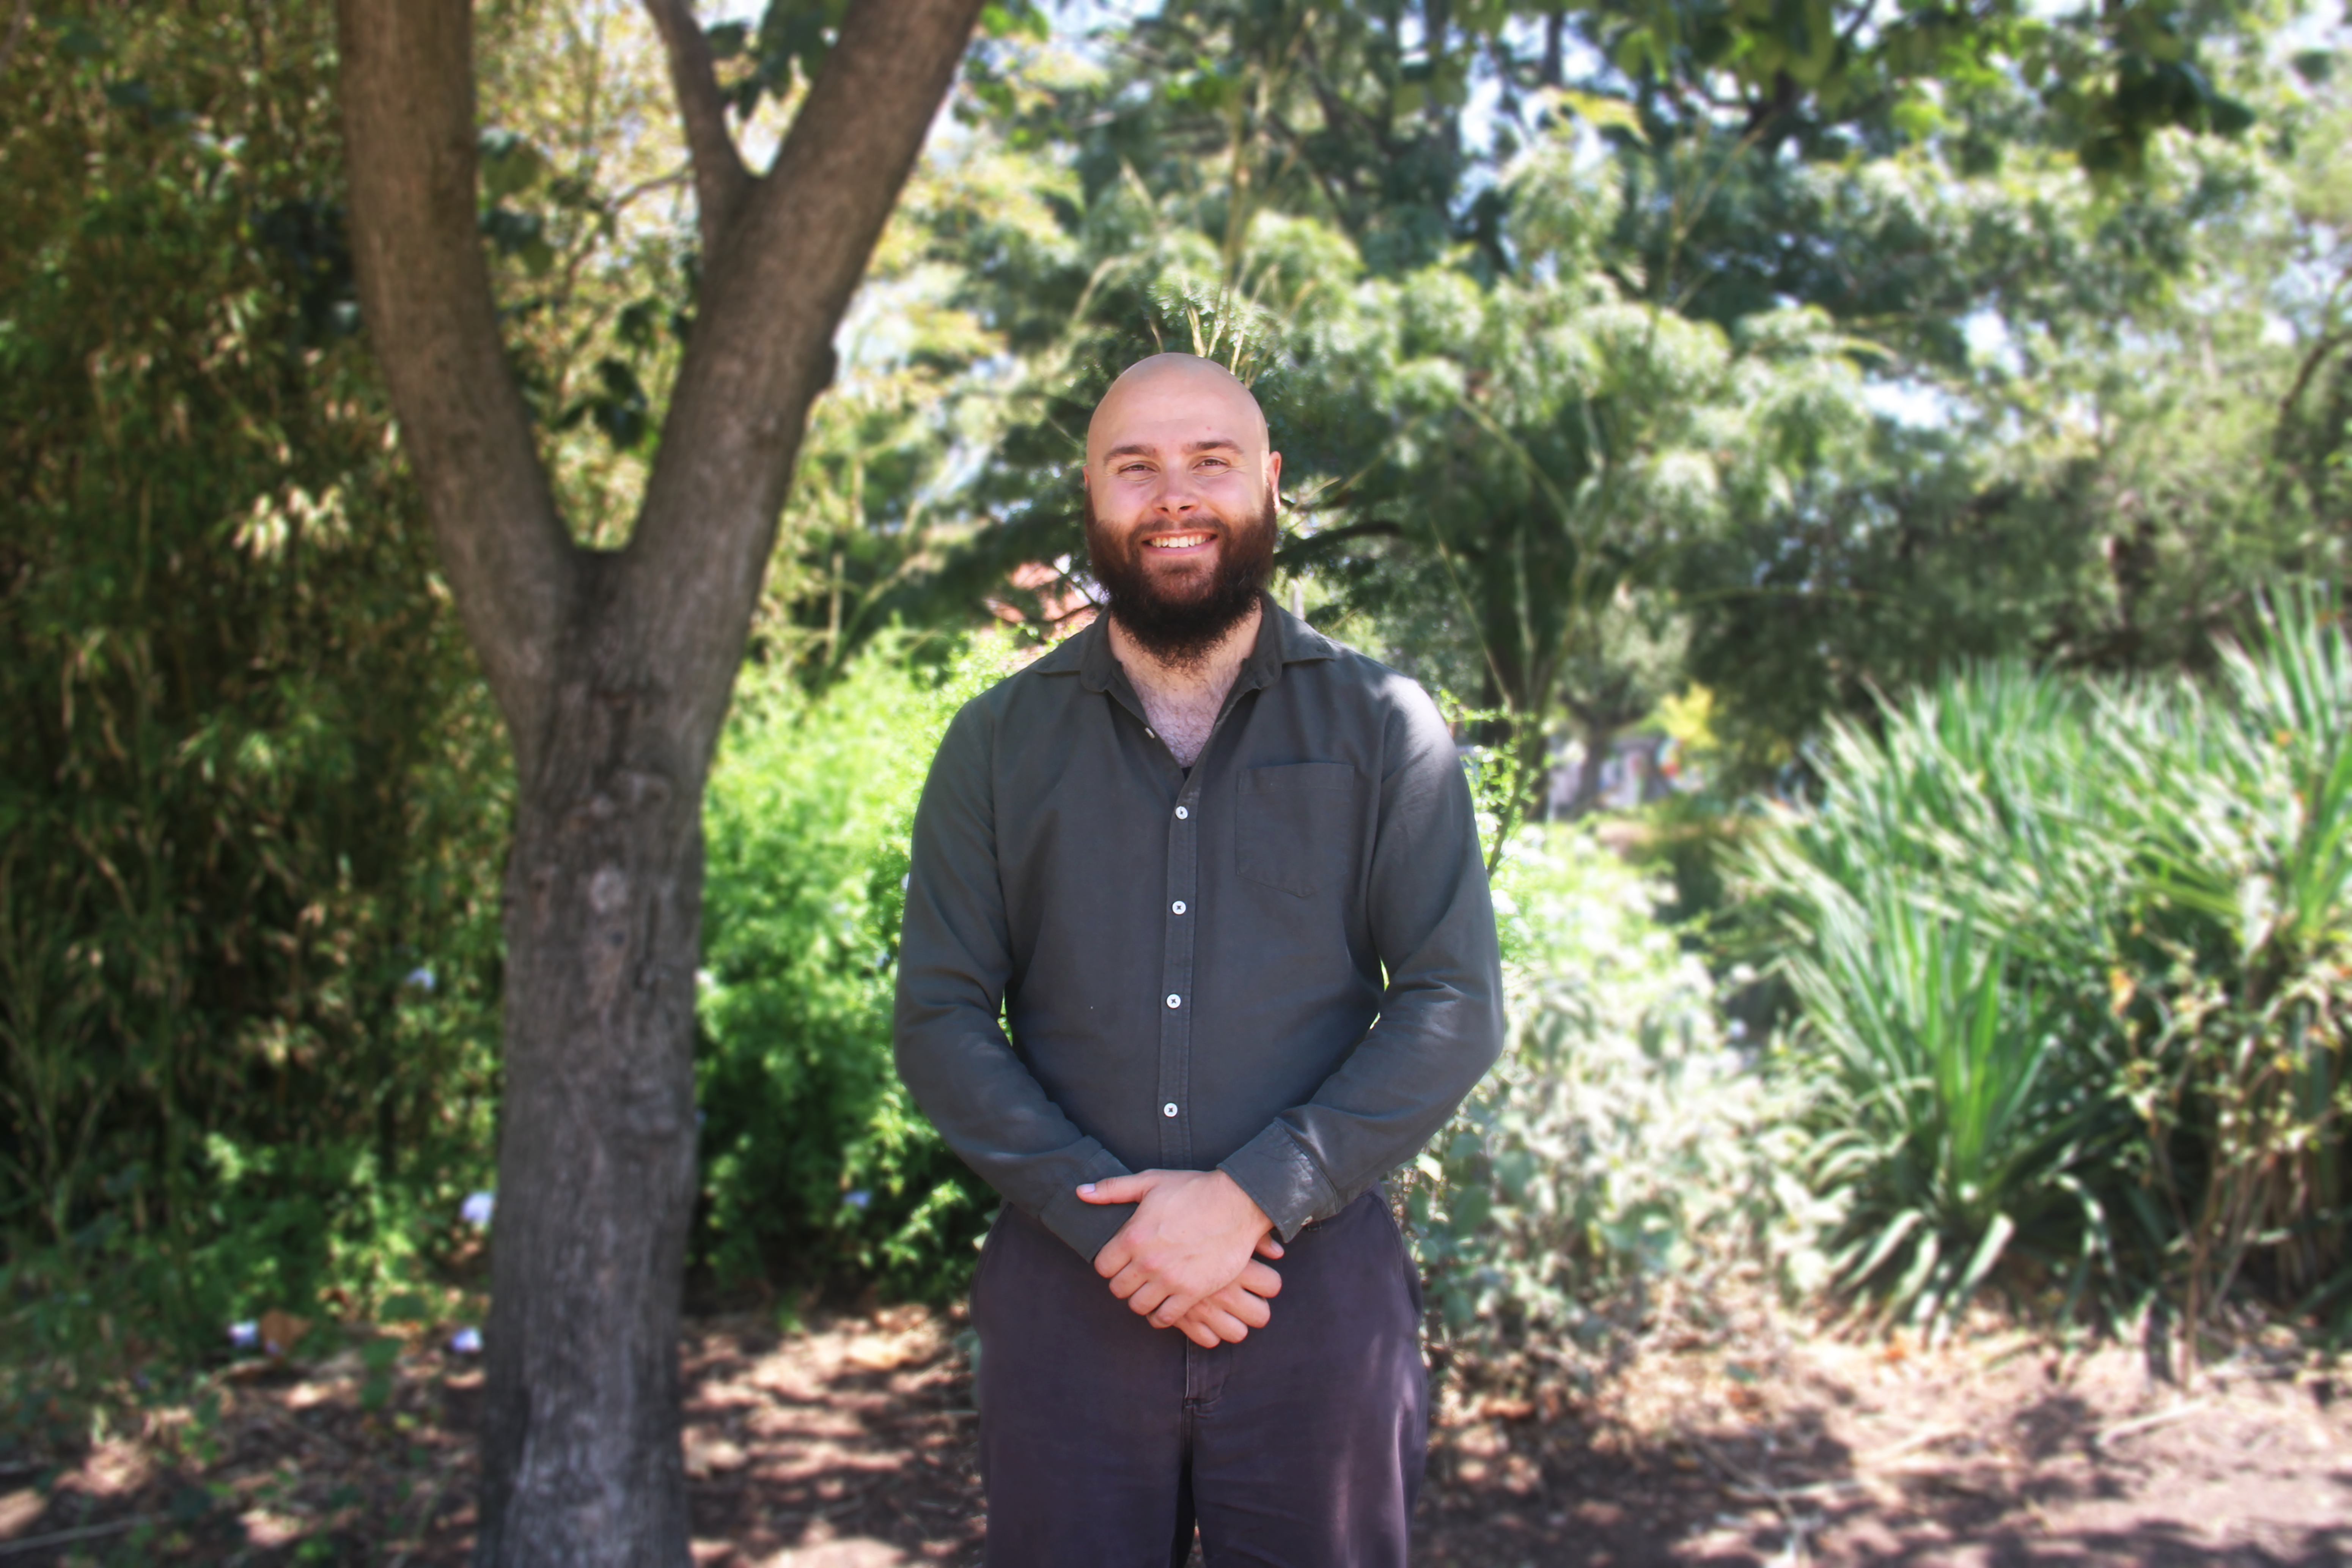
1128, 1280
1119, 1189
1259, 1281
1240, 1303
1148, 1301
1267, 1247
1222, 1325
1200, 1334
1172, 1307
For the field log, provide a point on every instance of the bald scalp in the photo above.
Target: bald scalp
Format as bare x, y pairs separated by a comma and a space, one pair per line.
1163, 375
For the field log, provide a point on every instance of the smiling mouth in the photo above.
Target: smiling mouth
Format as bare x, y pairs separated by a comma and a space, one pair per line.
1178, 540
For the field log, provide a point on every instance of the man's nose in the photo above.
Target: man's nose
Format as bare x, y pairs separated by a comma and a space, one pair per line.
1177, 495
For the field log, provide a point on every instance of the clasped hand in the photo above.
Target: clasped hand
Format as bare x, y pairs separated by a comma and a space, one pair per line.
1187, 1258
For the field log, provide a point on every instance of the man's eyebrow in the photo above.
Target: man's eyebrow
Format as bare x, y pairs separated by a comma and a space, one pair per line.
1213, 444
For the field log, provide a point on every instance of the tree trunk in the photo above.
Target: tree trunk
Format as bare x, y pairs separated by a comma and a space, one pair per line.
597, 1153
613, 671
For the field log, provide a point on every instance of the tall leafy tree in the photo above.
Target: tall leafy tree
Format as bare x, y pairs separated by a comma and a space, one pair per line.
611, 667
1496, 444
2128, 452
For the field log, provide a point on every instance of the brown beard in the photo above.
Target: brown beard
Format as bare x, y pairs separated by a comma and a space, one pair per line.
1179, 630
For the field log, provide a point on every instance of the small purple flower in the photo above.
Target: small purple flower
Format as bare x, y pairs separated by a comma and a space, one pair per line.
475, 1210
421, 977
245, 1336
467, 1341
858, 1198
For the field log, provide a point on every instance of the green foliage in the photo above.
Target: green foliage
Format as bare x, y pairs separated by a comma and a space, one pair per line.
1794, 401
1830, 76
1570, 418
816, 1167
2245, 872
1952, 1115
1496, 455
251, 798
2122, 414
1624, 1150
2070, 961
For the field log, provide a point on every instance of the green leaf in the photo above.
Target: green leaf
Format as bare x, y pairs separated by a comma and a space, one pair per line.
1598, 110
510, 165
1987, 1254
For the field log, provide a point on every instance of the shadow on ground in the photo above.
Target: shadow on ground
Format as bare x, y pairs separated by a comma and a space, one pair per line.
852, 1446
2057, 1479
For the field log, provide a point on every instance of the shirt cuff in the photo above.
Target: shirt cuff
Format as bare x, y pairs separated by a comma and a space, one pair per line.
1283, 1179
1086, 1228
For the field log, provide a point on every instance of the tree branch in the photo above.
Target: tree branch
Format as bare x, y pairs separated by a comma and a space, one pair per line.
1853, 29
761, 347
2327, 344
1316, 546
720, 181
425, 296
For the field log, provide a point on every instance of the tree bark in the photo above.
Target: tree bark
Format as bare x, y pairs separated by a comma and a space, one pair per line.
613, 671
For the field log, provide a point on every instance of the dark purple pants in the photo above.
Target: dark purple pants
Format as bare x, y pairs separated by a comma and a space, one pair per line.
1103, 1440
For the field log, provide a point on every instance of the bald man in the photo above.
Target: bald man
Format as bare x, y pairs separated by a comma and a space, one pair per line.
1197, 949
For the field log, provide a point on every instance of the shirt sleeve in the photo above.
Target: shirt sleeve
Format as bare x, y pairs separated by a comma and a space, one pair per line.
1441, 1020
954, 961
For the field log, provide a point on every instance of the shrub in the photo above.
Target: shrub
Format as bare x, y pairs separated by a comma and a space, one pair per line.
2073, 961
2241, 1006
814, 1160
1949, 1114
1623, 1145
251, 792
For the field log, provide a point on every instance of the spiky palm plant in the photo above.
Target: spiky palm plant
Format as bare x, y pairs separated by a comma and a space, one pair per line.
2064, 951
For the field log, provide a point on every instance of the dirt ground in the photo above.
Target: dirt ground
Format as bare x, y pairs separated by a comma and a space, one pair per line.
850, 1446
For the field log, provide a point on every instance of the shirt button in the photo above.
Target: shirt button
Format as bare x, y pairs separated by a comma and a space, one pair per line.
1153, 733
1181, 814
1174, 1000
1169, 1109
1178, 906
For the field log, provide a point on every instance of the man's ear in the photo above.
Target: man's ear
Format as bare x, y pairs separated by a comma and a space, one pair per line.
1274, 477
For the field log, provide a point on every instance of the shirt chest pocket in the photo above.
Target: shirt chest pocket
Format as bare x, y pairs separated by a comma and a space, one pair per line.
1295, 826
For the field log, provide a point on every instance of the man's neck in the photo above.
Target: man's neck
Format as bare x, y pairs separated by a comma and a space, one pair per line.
1184, 699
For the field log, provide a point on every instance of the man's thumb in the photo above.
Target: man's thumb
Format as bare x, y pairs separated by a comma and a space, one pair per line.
1116, 1190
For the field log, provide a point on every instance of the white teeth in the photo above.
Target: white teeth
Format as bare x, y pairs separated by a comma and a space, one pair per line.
1178, 542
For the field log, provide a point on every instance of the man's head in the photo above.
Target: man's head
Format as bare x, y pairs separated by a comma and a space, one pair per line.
1179, 504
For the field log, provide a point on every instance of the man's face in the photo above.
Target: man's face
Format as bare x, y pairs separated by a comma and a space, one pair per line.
1180, 504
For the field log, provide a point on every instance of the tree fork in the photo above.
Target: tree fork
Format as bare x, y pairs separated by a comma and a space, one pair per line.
613, 671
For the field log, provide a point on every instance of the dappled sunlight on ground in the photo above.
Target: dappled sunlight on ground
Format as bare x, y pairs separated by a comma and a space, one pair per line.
850, 1446
1997, 1449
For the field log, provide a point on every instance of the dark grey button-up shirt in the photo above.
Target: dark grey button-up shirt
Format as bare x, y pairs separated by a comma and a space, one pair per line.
1281, 964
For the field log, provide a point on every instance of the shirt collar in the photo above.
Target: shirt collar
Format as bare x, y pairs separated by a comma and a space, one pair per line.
1282, 639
